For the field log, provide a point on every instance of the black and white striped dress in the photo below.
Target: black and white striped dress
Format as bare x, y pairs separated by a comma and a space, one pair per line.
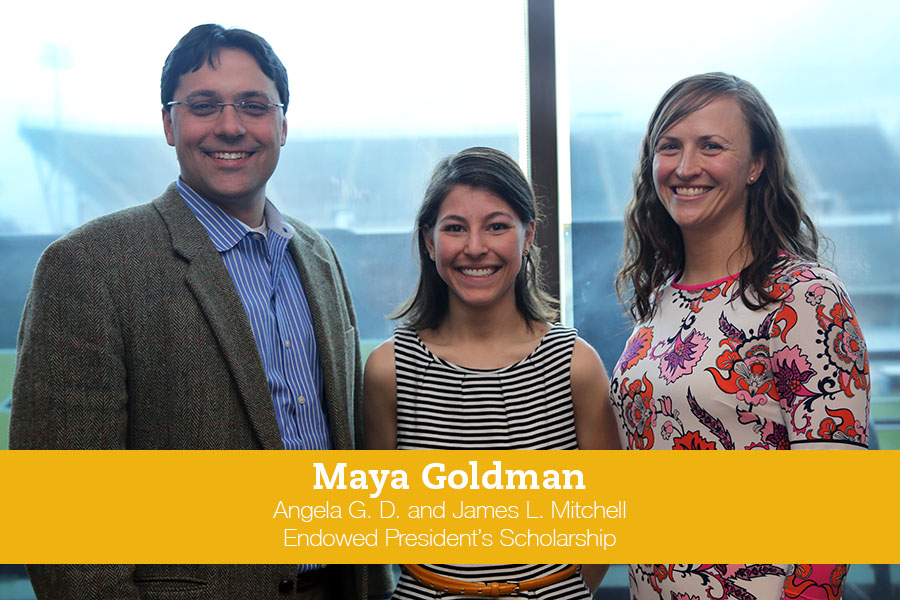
527, 405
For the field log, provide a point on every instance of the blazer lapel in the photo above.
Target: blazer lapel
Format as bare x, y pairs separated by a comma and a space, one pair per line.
317, 274
219, 301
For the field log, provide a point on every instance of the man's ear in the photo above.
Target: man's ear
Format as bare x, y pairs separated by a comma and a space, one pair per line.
169, 128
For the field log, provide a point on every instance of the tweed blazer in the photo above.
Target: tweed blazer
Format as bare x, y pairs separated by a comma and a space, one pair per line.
134, 337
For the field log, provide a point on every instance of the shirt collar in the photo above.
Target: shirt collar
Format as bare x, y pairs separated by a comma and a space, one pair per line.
224, 230
275, 222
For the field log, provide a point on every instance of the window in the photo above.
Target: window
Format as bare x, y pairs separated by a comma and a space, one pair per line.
379, 94
382, 91
829, 75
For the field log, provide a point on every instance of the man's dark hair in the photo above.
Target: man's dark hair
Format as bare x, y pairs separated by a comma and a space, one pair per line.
203, 43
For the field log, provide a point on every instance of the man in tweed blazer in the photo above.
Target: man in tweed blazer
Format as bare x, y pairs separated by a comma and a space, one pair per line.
135, 335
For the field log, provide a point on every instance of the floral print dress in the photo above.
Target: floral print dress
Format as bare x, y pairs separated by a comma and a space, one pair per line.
705, 373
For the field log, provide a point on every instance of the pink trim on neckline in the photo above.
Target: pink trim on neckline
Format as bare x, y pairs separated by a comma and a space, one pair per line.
694, 288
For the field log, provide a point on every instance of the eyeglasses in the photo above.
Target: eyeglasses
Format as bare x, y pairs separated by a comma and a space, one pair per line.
245, 108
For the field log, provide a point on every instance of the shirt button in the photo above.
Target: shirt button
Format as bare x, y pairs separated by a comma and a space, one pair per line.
286, 586
301, 400
287, 343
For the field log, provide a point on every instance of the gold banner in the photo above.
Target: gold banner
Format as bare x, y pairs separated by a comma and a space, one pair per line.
455, 507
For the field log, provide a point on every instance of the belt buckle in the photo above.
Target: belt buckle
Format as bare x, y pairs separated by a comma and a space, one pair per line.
441, 592
494, 586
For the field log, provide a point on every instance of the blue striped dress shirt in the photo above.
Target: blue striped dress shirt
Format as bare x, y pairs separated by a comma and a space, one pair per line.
269, 285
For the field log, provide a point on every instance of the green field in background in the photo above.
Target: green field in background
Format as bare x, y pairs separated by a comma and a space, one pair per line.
366, 347
4, 431
7, 367
885, 408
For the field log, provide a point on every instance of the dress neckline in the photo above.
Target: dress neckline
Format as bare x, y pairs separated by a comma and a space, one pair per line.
447, 363
702, 286
696, 288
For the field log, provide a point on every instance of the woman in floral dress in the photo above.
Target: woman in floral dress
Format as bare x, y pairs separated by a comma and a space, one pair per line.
742, 340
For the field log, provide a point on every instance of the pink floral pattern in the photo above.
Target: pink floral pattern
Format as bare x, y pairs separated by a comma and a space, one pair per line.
705, 372
635, 349
738, 582
682, 355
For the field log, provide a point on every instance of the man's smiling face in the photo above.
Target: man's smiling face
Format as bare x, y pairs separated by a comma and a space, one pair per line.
227, 157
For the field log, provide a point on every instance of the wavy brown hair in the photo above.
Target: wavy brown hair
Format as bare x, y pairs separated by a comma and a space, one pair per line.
776, 220
497, 173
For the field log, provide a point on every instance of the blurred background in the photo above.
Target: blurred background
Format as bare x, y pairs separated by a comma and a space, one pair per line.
381, 91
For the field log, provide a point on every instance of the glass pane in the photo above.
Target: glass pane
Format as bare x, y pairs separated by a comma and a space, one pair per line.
380, 93
830, 76
829, 73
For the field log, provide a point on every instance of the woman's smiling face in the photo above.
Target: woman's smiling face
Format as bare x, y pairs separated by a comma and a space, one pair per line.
477, 245
702, 166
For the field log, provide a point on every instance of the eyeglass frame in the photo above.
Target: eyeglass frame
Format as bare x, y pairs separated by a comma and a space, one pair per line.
237, 107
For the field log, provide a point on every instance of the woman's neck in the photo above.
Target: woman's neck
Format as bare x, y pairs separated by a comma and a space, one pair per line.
480, 323
713, 257
483, 337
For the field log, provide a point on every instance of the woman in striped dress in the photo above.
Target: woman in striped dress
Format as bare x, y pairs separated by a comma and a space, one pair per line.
477, 363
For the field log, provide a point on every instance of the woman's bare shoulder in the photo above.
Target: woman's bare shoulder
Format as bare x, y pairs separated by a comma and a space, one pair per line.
381, 361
